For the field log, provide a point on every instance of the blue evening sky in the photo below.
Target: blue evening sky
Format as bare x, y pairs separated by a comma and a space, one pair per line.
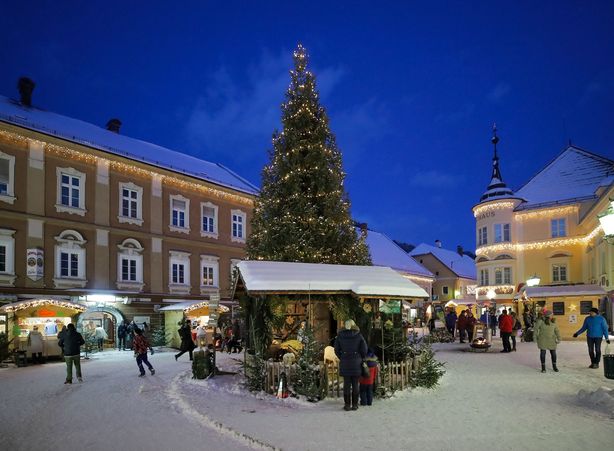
412, 88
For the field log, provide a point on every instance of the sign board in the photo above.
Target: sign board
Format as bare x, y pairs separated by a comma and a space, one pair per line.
390, 307
214, 305
573, 319
35, 263
139, 320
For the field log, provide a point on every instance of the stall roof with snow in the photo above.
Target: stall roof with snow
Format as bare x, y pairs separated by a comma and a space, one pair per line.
266, 277
564, 290
90, 135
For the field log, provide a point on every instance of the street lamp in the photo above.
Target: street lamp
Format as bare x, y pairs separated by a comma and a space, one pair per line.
533, 280
607, 222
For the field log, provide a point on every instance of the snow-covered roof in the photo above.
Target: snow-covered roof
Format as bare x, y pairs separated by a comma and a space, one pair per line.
463, 266
100, 138
573, 175
385, 252
285, 277
564, 290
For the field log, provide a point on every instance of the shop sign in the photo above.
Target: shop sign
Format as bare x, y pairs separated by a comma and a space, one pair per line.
139, 320
34, 263
214, 305
573, 319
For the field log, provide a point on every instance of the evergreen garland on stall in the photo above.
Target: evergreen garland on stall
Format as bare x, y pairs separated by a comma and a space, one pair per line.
303, 212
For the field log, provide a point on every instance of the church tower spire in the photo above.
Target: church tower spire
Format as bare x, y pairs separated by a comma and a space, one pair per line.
497, 188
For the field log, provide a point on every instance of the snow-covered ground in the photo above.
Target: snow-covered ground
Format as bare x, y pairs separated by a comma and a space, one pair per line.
493, 399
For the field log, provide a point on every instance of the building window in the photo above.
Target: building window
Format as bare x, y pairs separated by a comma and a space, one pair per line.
208, 220
559, 273
180, 214
503, 276
585, 307
70, 260
130, 204
7, 178
558, 227
179, 272
484, 280
502, 233
209, 272
444, 290
558, 308
7, 257
238, 226
482, 236
70, 191
130, 265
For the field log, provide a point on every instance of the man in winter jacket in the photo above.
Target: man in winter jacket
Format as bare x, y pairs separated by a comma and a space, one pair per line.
506, 324
122, 330
71, 342
451, 321
597, 329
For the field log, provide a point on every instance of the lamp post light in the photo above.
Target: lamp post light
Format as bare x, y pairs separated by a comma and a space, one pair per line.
606, 219
533, 280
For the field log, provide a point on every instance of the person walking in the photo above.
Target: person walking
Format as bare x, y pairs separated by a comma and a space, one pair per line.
547, 336
506, 325
596, 329
515, 328
187, 344
451, 318
35, 345
492, 322
71, 342
351, 349
461, 325
122, 330
60, 335
141, 345
470, 324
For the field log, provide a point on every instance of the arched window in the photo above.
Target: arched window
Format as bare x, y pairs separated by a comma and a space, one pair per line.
70, 257
504, 257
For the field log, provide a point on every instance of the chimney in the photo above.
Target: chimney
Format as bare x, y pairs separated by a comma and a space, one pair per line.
460, 250
113, 125
25, 87
438, 244
363, 229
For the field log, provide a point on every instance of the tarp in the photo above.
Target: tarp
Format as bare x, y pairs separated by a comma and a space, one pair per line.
364, 281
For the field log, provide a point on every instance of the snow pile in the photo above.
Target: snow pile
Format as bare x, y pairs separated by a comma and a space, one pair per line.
601, 399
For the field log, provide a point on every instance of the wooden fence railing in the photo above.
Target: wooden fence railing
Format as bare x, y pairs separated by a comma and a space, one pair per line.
394, 376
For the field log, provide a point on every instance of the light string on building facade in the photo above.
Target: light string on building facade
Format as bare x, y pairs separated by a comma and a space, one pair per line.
547, 212
491, 207
555, 242
21, 305
72, 154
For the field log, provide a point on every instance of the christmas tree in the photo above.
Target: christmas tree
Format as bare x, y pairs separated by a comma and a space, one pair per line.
303, 211
308, 380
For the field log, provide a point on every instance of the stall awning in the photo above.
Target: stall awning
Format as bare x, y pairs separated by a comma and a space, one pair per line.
190, 306
564, 290
364, 281
27, 303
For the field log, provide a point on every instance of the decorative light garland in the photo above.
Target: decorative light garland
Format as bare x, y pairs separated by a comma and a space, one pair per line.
494, 206
221, 308
499, 289
72, 154
546, 212
555, 242
21, 305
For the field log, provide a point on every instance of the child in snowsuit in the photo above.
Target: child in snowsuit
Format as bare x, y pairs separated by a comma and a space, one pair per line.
141, 345
367, 383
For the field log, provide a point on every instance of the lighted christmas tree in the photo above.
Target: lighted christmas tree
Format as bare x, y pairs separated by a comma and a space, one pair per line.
303, 211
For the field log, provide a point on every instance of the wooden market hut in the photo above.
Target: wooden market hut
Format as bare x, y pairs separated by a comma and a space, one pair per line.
308, 289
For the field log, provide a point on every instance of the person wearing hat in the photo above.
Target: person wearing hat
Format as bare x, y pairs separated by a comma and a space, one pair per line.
596, 329
351, 348
547, 336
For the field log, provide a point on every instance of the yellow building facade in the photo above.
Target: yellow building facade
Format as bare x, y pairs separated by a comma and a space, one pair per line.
547, 234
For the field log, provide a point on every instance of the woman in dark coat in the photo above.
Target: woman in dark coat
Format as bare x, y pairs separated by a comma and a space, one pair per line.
187, 344
351, 348
461, 325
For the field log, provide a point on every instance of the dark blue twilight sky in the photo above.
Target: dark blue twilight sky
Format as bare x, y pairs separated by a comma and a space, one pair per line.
411, 88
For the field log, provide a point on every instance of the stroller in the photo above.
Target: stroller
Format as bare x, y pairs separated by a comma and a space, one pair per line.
527, 334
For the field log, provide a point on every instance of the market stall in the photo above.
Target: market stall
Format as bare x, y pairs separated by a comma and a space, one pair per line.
198, 312
48, 316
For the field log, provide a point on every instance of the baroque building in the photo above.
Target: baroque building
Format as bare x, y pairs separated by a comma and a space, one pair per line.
97, 222
541, 246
